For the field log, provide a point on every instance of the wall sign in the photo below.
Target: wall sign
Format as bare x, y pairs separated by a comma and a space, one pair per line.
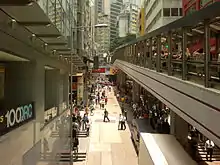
15, 117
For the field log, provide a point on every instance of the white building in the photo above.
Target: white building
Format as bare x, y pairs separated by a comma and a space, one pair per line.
115, 9
123, 24
127, 20
161, 12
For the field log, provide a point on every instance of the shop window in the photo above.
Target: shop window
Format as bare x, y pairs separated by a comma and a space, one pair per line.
174, 12
166, 12
2, 82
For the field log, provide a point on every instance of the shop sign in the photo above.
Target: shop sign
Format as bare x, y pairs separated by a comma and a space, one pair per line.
100, 70
15, 117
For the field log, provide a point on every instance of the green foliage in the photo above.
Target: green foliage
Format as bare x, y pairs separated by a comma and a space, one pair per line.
121, 40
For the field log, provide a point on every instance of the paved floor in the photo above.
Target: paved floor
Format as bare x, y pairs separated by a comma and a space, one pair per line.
108, 145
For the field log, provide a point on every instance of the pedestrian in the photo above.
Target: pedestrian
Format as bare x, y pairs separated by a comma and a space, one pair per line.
119, 122
106, 115
123, 125
209, 145
126, 114
84, 120
106, 100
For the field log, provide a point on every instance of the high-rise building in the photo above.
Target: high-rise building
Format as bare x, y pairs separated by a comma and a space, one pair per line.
127, 21
115, 9
102, 39
159, 13
141, 22
88, 28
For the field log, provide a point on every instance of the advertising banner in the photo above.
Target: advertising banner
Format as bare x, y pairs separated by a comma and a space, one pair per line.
15, 117
80, 89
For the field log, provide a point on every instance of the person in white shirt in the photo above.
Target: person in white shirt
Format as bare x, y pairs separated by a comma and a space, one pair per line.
209, 145
134, 107
122, 125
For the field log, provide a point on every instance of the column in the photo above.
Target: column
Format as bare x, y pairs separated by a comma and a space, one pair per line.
52, 88
170, 53
207, 53
150, 54
158, 53
184, 59
66, 87
136, 92
178, 128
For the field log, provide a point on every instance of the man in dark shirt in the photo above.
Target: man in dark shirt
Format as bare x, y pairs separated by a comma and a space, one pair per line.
106, 116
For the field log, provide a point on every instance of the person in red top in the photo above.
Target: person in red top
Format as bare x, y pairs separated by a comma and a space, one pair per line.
106, 100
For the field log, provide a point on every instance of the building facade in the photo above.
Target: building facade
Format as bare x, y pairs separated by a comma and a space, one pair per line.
127, 20
161, 12
34, 84
115, 9
133, 18
190, 6
123, 24
102, 36
141, 22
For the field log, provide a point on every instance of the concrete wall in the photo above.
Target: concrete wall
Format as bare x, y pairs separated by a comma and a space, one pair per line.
197, 105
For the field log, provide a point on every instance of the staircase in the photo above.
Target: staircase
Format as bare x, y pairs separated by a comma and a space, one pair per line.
202, 153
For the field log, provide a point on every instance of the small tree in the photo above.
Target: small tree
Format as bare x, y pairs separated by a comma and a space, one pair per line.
121, 40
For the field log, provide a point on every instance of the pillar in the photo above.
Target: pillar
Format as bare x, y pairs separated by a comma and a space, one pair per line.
170, 53
178, 128
136, 92
207, 53
184, 59
158, 53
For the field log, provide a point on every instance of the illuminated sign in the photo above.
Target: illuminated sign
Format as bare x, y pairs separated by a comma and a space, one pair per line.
15, 117
100, 70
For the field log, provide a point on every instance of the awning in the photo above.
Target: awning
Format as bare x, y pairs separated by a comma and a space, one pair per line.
34, 19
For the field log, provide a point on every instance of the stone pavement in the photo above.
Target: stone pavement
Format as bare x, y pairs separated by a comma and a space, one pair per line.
107, 144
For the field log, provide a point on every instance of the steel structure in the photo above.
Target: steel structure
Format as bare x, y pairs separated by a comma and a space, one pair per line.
146, 51
195, 5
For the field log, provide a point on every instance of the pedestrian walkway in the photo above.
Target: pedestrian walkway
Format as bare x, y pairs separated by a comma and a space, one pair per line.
108, 145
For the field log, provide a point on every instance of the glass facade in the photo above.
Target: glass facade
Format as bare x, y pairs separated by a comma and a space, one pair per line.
61, 13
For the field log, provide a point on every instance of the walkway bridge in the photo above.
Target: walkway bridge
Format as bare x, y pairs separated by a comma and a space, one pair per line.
180, 65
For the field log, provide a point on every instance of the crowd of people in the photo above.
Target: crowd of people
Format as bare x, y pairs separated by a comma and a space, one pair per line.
145, 109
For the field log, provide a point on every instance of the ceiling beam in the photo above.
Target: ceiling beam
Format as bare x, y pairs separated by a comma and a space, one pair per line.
48, 35
34, 23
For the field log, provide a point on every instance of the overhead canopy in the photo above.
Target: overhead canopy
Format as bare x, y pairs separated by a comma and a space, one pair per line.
34, 19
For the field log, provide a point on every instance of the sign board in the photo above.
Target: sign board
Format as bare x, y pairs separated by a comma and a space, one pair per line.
100, 70
15, 117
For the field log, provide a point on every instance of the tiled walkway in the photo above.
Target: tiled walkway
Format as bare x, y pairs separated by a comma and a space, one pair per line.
108, 145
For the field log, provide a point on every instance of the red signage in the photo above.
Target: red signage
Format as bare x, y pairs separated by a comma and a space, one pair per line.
74, 86
100, 70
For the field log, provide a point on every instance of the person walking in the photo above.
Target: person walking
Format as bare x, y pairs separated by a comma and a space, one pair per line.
84, 120
106, 115
209, 145
106, 100
119, 122
123, 125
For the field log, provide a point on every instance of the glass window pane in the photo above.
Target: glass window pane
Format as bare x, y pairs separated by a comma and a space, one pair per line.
180, 11
174, 12
166, 12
